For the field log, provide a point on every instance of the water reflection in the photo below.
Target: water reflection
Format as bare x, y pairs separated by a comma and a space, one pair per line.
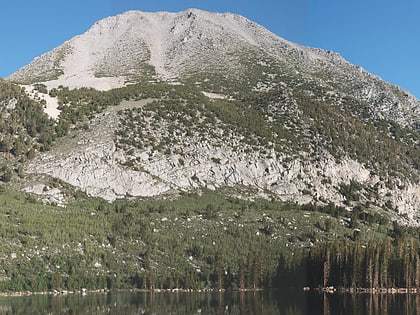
287, 302
372, 304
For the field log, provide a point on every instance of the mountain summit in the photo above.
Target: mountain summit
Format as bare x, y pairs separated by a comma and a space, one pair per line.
212, 49
209, 101
152, 46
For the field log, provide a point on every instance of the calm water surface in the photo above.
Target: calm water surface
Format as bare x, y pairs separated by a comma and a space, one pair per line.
268, 302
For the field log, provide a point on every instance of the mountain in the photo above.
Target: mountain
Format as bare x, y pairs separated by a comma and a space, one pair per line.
197, 46
209, 101
198, 150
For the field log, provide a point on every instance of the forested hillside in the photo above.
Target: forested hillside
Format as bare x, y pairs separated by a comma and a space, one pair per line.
205, 241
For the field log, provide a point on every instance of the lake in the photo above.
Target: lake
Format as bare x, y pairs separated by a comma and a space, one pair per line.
287, 302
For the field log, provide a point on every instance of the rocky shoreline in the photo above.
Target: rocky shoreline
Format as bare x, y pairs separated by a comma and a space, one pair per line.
86, 291
53, 292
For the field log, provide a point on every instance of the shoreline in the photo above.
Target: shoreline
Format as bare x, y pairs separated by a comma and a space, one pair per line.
106, 291
328, 290
53, 293
352, 290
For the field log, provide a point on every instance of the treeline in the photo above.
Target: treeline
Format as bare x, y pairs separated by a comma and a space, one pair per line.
384, 263
381, 264
378, 264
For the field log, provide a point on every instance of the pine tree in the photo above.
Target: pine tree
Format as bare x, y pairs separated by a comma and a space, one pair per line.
417, 271
326, 268
376, 267
241, 273
219, 271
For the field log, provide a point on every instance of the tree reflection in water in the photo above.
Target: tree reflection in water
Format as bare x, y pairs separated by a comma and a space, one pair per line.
287, 302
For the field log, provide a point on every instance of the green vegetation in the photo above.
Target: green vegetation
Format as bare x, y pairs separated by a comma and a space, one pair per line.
24, 127
343, 134
194, 241
185, 116
383, 146
387, 263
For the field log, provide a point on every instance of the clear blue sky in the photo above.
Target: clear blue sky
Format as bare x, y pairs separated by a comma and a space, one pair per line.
379, 35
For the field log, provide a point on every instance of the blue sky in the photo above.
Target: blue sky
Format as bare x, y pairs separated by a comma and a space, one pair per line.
381, 36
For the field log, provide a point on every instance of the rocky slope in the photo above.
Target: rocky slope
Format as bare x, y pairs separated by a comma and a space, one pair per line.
243, 109
105, 162
222, 52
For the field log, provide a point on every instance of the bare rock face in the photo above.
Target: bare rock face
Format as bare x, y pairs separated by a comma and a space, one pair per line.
93, 164
50, 195
99, 171
99, 174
